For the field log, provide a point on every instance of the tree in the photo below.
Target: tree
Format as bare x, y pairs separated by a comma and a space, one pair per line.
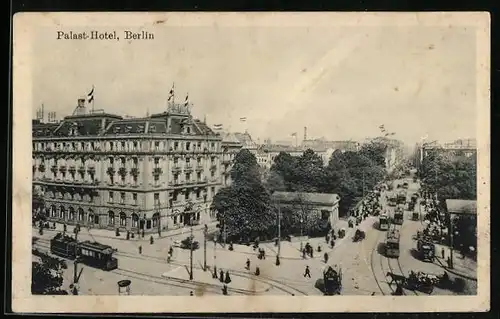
449, 177
309, 171
46, 275
284, 169
244, 207
375, 151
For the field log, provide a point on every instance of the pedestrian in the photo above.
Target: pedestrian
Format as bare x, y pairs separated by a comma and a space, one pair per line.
327, 238
442, 253
307, 272
303, 253
332, 243
257, 271
151, 240
191, 293
319, 248
221, 276
312, 252
140, 249
326, 257
248, 263
227, 280
224, 290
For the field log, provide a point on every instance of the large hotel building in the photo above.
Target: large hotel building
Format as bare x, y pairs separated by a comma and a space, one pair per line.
154, 173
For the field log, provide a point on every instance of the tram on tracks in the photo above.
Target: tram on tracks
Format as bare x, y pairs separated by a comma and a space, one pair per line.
392, 243
383, 222
398, 217
92, 254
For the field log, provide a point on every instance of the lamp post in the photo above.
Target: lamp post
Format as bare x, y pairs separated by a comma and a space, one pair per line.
205, 248
279, 232
191, 252
451, 241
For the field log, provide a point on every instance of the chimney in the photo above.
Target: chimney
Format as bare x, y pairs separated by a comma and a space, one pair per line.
305, 133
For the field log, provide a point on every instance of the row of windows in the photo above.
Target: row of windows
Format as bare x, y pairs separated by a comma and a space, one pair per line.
123, 146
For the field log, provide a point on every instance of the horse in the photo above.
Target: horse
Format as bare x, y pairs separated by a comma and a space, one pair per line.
398, 279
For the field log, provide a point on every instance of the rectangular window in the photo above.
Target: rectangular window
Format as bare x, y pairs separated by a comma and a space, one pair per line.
198, 160
198, 176
156, 197
198, 193
110, 197
188, 161
188, 177
188, 146
157, 145
134, 197
212, 173
213, 191
135, 146
122, 198
176, 161
176, 145
186, 195
157, 161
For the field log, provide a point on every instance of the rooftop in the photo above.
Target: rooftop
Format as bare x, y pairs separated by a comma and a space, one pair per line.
461, 206
312, 198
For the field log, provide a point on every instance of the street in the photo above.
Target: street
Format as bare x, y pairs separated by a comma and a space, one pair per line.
364, 268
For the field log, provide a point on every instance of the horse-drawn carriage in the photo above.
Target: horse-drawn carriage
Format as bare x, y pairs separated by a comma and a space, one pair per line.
358, 235
422, 281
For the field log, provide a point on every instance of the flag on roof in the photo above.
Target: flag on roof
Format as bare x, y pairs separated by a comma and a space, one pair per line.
90, 96
294, 134
171, 93
243, 119
217, 127
186, 101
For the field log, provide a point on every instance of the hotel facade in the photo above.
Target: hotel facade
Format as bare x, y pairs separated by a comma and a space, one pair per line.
103, 171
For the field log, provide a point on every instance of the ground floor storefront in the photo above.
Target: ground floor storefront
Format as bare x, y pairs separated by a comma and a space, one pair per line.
127, 219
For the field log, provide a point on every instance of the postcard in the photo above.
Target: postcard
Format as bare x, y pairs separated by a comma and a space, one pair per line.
251, 162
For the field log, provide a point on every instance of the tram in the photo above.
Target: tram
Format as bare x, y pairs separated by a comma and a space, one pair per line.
401, 197
392, 243
92, 254
398, 216
383, 222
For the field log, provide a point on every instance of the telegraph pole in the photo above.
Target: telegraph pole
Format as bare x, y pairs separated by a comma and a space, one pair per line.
191, 255
451, 241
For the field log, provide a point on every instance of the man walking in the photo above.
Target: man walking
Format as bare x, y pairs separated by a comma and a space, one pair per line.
307, 272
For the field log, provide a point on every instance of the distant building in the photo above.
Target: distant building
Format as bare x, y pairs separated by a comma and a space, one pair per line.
231, 145
458, 148
247, 142
351, 146
322, 205
152, 173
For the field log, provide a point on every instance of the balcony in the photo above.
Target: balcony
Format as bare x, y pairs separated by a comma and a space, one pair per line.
176, 168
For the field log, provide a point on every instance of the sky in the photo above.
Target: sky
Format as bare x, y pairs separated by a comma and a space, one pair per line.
340, 82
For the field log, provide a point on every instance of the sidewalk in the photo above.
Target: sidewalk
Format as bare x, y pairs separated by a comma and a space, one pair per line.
105, 233
462, 267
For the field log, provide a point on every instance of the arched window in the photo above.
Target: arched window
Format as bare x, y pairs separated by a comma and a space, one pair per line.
53, 211
156, 219
135, 220
81, 215
111, 218
91, 216
71, 213
123, 219
62, 211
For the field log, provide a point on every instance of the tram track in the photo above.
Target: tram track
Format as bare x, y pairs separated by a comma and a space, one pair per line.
45, 244
266, 280
372, 265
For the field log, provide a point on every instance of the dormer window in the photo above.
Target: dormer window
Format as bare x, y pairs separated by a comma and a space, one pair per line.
152, 128
188, 130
